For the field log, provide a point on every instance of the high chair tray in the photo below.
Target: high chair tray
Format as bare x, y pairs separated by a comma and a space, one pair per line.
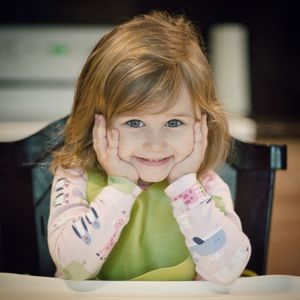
26, 287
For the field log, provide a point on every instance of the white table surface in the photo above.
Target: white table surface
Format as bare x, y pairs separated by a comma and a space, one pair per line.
26, 287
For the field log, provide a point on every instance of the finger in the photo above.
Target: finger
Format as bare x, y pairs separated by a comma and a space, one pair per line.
197, 134
99, 130
113, 143
197, 140
204, 121
197, 152
99, 135
204, 130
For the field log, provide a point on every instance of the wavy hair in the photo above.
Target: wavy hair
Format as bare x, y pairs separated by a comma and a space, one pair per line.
142, 61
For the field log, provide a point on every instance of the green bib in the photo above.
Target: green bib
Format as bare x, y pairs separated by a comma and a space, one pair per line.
151, 246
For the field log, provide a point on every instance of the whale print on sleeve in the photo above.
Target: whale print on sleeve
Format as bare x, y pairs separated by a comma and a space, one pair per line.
212, 230
209, 245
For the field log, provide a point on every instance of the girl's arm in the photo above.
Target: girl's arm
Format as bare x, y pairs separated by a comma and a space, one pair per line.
81, 235
213, 233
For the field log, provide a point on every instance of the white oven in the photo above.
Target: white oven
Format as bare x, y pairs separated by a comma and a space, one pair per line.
39, 66
38, 69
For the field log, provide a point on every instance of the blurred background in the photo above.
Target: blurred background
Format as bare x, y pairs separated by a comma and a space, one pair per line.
253, 47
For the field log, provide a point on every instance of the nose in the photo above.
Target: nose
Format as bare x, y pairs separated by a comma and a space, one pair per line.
154, 140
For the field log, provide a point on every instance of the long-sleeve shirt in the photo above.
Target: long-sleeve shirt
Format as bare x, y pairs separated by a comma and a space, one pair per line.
81, 235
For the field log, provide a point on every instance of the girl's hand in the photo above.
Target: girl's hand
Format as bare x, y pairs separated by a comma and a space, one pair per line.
193, 161
105, 143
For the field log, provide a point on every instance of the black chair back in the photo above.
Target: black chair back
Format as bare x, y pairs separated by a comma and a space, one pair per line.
25, 188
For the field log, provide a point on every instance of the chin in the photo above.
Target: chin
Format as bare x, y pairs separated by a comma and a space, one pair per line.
153, 179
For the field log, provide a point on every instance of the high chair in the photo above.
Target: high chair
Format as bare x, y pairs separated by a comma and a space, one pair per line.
25, 188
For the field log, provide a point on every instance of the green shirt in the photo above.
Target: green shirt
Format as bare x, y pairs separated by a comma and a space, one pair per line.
151, 246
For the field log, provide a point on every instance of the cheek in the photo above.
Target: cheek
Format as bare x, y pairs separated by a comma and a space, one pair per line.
185, 144
127, 145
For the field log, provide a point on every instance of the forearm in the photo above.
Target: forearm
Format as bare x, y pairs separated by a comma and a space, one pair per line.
80, 235
218, 246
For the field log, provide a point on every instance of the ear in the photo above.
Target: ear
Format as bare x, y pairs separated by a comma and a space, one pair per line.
198, 241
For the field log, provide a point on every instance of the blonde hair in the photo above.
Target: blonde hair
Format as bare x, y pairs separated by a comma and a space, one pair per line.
144, 60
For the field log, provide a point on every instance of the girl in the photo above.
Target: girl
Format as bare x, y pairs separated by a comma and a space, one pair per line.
133, 195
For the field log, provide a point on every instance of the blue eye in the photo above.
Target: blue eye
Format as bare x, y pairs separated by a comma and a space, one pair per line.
174, 123
135, 123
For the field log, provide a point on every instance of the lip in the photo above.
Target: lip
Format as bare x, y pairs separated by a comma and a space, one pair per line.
153, 163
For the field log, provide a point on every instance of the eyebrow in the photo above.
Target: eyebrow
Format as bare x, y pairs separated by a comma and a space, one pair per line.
169, 115
178, 115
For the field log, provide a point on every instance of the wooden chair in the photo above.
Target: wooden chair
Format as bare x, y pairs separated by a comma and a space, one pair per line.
250, 173
25, 188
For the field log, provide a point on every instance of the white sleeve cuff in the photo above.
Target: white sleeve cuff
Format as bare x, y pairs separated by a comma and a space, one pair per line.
182, 184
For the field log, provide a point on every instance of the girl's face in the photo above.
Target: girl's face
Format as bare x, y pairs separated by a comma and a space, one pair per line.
154, 142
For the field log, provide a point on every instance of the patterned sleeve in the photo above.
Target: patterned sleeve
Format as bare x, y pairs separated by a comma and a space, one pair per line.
212, 230
81, 235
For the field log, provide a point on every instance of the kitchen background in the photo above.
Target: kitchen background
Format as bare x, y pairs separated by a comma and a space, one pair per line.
253, 45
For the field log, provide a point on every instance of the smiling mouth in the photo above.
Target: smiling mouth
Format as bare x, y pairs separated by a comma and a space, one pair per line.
153, 162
